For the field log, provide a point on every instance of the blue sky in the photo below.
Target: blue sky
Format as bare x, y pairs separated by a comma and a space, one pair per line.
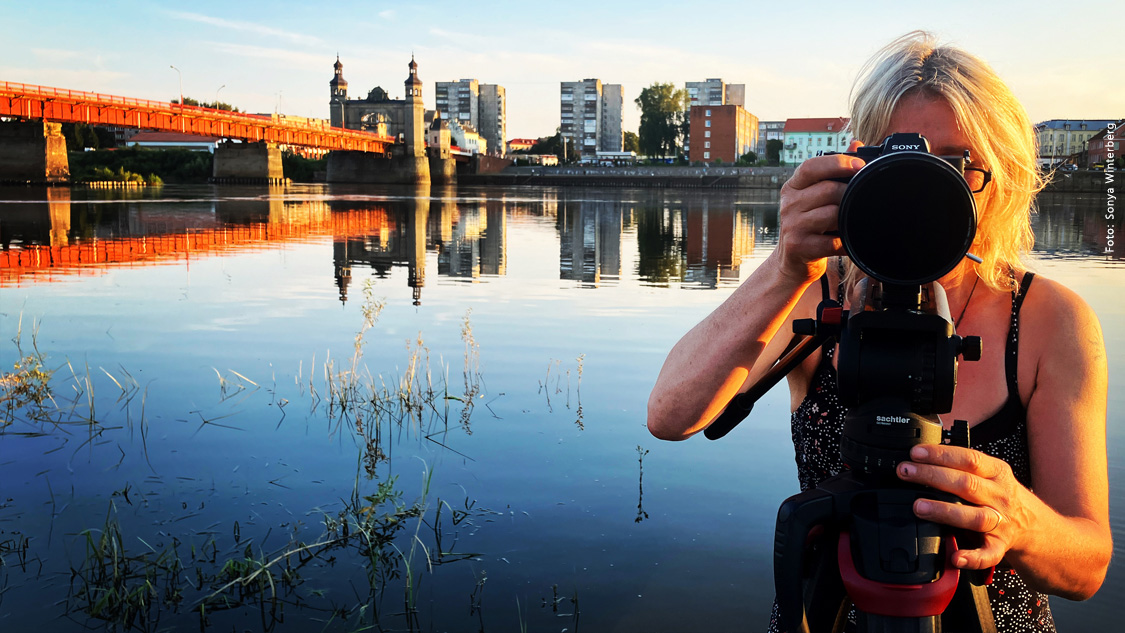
797, 59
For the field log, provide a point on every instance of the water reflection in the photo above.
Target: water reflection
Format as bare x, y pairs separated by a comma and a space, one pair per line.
690, 240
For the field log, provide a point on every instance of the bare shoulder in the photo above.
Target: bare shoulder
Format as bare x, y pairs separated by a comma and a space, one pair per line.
1060, 332
1052, 310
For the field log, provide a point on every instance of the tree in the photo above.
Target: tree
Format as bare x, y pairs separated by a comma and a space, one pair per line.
214, 105
553, 145
663, 115
773, 151
630, 143
749, 158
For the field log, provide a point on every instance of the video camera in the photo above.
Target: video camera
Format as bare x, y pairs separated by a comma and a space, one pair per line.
907, 218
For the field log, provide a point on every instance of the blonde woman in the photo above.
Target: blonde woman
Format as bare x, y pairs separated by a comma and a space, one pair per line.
1036, 401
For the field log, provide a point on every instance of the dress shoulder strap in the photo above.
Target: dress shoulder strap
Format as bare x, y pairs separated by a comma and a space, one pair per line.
1011, 348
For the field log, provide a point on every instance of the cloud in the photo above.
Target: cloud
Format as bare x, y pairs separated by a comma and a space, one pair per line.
248, 27
389, 14
283, 55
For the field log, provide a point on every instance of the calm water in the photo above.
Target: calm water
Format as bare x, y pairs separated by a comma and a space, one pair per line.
212, 420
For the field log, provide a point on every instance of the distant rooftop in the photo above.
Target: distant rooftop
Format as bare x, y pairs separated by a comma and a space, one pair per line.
834, 124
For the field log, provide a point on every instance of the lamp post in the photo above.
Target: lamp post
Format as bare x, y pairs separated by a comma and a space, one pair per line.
181, 76
216, 104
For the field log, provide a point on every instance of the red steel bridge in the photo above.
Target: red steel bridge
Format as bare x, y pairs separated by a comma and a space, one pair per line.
59, 105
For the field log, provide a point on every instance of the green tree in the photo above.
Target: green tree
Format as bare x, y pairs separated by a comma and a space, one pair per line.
773, 151
663, 115
214, 105
749, 158
554, 145
630, 142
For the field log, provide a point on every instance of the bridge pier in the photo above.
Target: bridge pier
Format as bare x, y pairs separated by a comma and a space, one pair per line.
247, 163
33, 152
365, 167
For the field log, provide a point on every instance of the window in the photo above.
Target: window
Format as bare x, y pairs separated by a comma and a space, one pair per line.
707, 134
707, 144
708, 124
707, 113
706, 155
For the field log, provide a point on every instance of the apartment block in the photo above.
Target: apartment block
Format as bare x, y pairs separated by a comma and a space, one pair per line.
715, 92
769, 131
721, 133
494, 117
590, 115
458, 100
611, 138
712, 92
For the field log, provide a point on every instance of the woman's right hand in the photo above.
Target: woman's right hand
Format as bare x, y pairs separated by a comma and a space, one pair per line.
810, 205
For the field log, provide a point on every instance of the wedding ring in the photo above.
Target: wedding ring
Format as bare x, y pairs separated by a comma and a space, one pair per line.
999, 518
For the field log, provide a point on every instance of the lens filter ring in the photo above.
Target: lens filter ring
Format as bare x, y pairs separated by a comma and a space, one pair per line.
907, 218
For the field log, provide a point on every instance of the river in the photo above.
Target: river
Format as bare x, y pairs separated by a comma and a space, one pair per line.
324, 408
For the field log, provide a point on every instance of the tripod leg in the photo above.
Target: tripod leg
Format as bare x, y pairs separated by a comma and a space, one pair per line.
970, 611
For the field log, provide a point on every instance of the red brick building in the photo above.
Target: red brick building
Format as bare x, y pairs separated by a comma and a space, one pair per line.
723, 133
1102, 143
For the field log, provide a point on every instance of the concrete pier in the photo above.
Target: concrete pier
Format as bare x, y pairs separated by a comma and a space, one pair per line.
247, 163
368, 168
33, 152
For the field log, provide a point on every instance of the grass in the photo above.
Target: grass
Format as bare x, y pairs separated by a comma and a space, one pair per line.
121, 582
394, 539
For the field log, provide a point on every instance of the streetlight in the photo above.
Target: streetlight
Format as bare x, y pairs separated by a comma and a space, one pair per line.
216, 104
181, 75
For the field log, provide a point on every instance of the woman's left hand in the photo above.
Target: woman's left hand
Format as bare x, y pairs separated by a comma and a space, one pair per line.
979, 479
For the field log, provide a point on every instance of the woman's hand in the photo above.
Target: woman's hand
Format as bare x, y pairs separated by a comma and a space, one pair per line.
979, 479
809, 208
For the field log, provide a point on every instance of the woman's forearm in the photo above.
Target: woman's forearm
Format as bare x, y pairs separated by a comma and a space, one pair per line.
711, 363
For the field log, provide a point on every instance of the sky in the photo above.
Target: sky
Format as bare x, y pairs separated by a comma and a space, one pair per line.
797, 59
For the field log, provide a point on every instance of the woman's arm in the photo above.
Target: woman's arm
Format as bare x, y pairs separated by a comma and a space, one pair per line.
719, 357
1058, 537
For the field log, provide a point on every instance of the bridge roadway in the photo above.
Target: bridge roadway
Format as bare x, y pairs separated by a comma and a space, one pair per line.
59, 105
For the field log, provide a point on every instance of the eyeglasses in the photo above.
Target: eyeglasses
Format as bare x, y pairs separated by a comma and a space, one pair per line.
977, 178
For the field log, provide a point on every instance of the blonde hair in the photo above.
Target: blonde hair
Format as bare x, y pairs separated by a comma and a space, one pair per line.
1001, 136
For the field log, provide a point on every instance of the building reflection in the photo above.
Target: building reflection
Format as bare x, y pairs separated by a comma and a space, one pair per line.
473, 238
589, 241
1075, 224
688, 240
700, 243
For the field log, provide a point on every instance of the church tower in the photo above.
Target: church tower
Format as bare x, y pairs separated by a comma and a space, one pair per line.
339, 95
415, 127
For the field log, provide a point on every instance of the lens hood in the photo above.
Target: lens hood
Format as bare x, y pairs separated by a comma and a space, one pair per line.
907, 218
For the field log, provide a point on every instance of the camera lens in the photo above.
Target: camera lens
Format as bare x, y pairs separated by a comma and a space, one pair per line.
907, 218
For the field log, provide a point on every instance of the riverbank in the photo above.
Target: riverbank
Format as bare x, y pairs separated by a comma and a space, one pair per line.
645, 177
707, 177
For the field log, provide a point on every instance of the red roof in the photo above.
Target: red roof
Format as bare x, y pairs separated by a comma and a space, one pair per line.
524, 141
834, 124
170, 137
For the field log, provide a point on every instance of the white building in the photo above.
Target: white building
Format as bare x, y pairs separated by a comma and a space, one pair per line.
805, 138
1059, 139
466, 138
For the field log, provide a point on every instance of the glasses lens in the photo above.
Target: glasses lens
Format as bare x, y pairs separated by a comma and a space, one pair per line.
975, 178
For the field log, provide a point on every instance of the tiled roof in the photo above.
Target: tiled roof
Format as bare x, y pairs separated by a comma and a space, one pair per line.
834, 124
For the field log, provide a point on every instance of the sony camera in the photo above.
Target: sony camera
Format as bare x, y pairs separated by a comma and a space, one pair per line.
907, 217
